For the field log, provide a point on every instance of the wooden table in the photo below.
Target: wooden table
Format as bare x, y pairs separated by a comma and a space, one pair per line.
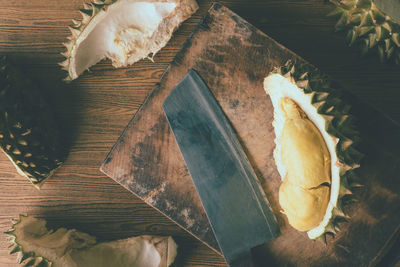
95, 109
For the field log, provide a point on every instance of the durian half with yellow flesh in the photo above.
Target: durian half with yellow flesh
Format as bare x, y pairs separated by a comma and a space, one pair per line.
314, 151
124, 31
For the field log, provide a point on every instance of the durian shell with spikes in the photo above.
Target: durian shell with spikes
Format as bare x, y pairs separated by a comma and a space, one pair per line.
29, 134
163, 17
325, 102
370, 25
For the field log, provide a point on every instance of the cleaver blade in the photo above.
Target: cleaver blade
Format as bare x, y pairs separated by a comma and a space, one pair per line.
229, 190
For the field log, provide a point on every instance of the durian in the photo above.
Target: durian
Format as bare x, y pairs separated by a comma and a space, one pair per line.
124, 31
29, 134
37, 246
371, 24
315, 150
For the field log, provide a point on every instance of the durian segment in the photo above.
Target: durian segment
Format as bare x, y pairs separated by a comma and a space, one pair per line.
370, 27
318, 101
303, 150
124, 31
38, 246
29, 134
304, 193
304, 208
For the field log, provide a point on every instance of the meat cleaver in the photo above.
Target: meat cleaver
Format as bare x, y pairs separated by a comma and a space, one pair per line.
231, 195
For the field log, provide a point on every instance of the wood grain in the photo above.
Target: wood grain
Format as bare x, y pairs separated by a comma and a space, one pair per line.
95, 109
233, 58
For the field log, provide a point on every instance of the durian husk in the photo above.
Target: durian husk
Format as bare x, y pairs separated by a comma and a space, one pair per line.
37, 246
96, 11
29, 134
368, 27
319, 99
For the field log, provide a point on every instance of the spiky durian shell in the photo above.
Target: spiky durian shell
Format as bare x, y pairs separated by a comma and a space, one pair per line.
29, 134
340, 127
368, 27
95, 7
88, 12
27, 258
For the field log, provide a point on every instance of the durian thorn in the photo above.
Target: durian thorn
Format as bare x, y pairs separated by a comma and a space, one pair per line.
321, 96
75, 27
85, 16
87, 7
336, 12
320, 104
75, 32
336, 212
396, 39
387, 27
346, 144
328, 118
390, 52
32, 262
304, 84
10, 232
68, 46
97, 7
16, 249
322, 238
344, 191
64, 64
330, 229
341, 22
65, 54
68, 79
372, 40
331, 234
337, 227
76, 22
304, 76
25, 256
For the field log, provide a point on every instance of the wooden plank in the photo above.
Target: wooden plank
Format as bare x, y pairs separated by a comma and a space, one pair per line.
233, 57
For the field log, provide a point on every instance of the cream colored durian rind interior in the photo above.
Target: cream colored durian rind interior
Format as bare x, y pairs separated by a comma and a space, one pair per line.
313, 92
124, 31
36, 245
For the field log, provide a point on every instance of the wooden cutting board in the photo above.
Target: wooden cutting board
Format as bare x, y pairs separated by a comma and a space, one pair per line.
233, 57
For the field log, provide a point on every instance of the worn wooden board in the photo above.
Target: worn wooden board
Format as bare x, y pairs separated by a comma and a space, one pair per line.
233, 57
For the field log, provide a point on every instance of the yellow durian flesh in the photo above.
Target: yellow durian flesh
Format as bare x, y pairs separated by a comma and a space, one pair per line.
305, 208
304, 193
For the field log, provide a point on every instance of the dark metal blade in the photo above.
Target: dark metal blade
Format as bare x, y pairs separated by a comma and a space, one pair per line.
225, 181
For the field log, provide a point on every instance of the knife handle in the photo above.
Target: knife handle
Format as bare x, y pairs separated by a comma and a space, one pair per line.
245, 260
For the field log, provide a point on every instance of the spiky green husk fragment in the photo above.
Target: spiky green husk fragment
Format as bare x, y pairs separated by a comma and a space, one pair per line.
36, 246
337, 127
29, 134
369, 27
124, 31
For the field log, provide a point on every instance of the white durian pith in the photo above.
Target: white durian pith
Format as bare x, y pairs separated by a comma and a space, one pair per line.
124, 31
36, 245
294, 83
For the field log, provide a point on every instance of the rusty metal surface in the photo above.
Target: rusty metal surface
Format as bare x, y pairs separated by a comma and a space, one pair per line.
233, 57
